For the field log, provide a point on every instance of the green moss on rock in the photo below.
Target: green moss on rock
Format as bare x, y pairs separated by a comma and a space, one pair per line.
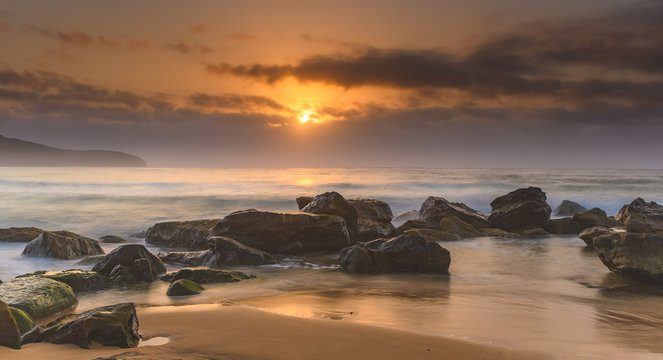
9, 333
183, 287
23, 320
39, 297
207, 275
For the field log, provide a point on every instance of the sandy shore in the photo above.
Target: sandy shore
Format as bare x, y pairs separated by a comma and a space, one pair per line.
239, 332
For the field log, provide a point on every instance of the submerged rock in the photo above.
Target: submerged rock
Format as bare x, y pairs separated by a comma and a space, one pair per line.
111, 239
588, 235
184, 287
333, 203
10, 335
405, 253
435, 209
62, 245
285, 233
223, 252
39, 297
113, 325
131, 263
373, 219
520, 209
302, 201
631, 253
568, 208
207, 275
594, 217
181, 234
23, 320
642, 217
19, 234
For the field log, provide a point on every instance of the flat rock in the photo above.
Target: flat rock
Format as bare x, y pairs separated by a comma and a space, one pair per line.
191, 235
131, 263
61, 245
207, 275
10, 335
642, 217
520, 209
19, 234
223, 252
373, 219
568, 208
184, 287
639, 254
39, 297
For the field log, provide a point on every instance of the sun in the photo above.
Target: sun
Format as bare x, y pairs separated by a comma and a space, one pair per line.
305, 116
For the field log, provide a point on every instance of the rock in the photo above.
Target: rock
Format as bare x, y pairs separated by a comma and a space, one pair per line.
23, 321
80, 280
111, 239
284, 233
404, 253
10, 335
415, 224
642, 217
207, 275
534, 232
405, 216
39, 297
493, 232
332, 203
302, 201
563, 226
435, 209
627, 253
459, 228
61, 245
184, 287
431, 234
19, 234
131, 263
91, 260
588, 235
113, 325
191, 235
568, 208
373, 219
223, 252
520, 209
594, 217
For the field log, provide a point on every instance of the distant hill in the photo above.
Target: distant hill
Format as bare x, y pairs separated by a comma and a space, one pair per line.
15, 152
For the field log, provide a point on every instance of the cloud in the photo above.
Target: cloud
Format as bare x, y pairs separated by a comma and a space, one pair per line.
234, 102
242, 36
199, 28
85, 40
187, 48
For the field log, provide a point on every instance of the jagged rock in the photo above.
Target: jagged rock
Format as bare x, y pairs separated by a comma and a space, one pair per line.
19, 234
111, 239
563, 226
401, 218
39, 297
113, 325
568, 208
333, 203
223, 252
10, 335
404, 253
207, 275
302, 201
284, 233
631, 253
435, 209
61, 245
642, 217
373, 219
594, 217
520, 209
458, 227
588, 235
23, 320
431, 234
190, 235
129, 264
184, 287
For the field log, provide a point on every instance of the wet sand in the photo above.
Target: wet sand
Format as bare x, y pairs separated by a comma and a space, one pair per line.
240, 332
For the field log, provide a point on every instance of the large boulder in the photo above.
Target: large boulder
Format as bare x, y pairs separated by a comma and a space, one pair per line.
207, 275
405, 253
19, 234
80, 280
588, 235
594, 217
459, 228
401, 218
435, 209
39, 297
113, 325
568, 208
223, 252
520, 209
184, 287
10, 335
642, 217
373, 219
190, 235
631, 253
285, 233
302, 201
62, 245
23, 320
131, 263
333, 203
111, 239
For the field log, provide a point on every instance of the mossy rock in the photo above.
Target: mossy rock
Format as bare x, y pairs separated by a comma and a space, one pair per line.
19, 234
207, 275
39, 297
23, 320
9, 334
184, 287
91, 260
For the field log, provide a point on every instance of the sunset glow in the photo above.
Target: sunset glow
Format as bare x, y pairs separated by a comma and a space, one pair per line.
305, 116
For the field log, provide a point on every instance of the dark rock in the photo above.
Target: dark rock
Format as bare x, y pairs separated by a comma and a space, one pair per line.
588, 235
91, 260
113, 325
131, 263
431, 234
568, 208
23, 320
405, 216
520, 209
111, 239
190, 235
10, 335
435, 209
493, 232
61, 245
405, 253
39, 297
19, 234
534, 232
416, 224
223, 252
373, 219
563, 226
458, 227
302, 201
594, 217
642, 217
207, 275
184, 287
284, 233
80, 280
332, 203
627, 253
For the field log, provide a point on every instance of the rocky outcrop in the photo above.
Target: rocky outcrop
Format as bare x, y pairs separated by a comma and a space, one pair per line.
594, 217
39, 297
373, 219
588, 235
563, 226
113, 325
111, 239
19, 234
415, 224
223, 252
405, 253
333, 203
23, 320
131, 263
431, 234
10, 335
435, 209
302, 201
642, 217
638, 254
61, 245
401, 218
207, 275
184, 287
285, 233
520, 209
190, 235
459, 228
568, 208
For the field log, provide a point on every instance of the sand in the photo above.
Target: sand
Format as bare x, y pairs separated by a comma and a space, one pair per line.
241, 332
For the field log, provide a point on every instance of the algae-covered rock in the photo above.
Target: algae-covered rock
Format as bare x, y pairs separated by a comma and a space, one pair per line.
113, 325
130, 264
10, 335
431, 234
39, 297
207, 275
80, 280
184, 287
19, 234
23, 320
61, 245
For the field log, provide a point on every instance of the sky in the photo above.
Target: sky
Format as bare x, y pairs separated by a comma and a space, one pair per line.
445, 84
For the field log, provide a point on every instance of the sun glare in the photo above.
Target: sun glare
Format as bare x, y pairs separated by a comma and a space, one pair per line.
305, 116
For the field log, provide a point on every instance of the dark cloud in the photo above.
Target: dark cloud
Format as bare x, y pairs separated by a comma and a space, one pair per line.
84, 40
187, 48
234, 102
